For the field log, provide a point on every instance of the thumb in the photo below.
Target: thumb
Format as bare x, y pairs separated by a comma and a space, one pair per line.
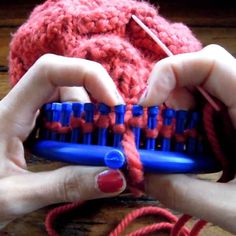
28, 192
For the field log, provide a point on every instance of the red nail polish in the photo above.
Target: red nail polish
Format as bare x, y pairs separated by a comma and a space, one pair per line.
110, 181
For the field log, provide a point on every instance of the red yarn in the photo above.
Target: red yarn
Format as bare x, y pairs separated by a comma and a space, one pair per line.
151, 133
119, 128
208, 119
198, 227
167, 131
55, 213
192, 133
54, 126
151, 228
76, 122
101, 31
88, 128
180, 224
103, 121
136, 121
181, 138
57, 127
134, 165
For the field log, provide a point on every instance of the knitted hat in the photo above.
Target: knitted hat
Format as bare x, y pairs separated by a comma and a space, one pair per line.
102, 31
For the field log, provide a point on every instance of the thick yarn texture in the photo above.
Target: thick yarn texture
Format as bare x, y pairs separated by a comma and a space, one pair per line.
101, 31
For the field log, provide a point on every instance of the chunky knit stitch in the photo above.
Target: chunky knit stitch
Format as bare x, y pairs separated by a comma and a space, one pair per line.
102, 31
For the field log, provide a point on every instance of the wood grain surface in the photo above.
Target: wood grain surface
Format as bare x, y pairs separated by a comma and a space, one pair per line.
211, 22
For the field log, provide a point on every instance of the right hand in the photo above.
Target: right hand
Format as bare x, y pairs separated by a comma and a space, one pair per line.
171, 81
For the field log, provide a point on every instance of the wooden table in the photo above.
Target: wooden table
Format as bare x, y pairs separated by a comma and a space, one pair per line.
212, 22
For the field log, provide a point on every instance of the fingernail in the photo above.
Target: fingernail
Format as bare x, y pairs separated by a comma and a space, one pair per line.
110, 181
143, 96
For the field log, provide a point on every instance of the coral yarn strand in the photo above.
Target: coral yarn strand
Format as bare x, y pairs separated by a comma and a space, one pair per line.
164, 226
103, 121
55, 213
76, 122
150, 228
87, 128
167, 131
180, 224
180, 138
208, 113
53, 126
197, 227
136, 122
151, 133
57, 127
134, 164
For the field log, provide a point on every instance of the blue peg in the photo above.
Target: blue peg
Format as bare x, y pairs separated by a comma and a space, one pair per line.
89, 109
137, 111
77, 111
102, 132
48, 116
152, 124
66, 110
120, 115
193, 124
56, 115
181, 117
168, 115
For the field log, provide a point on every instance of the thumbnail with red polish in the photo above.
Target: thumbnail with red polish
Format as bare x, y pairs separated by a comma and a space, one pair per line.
110, 181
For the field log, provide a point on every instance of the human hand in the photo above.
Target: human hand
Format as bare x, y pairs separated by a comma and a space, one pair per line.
22, 191
171, 81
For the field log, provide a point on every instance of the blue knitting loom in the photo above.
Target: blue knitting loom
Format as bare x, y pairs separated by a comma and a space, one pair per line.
102, 146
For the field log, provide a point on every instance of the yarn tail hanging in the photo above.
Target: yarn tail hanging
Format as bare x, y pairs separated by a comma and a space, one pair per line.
53, 215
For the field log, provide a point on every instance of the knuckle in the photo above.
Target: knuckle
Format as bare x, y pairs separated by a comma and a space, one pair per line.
44, 64
70, 188
165, 190
97, 65
98, 69
45, 59
215, 49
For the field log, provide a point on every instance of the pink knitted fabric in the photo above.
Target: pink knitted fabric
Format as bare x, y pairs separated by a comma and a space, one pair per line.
102, 31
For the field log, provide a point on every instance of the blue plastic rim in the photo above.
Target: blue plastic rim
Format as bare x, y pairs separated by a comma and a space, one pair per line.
153, 161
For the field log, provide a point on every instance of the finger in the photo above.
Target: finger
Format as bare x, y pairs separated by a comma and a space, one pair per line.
180, 99
50, 72
213, 68
74, 94
202, 199
25, 193
12, 156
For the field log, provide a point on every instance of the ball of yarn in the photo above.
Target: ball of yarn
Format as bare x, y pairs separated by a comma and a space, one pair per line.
102, 31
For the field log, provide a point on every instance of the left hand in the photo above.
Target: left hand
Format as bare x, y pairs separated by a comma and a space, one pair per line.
22, 191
